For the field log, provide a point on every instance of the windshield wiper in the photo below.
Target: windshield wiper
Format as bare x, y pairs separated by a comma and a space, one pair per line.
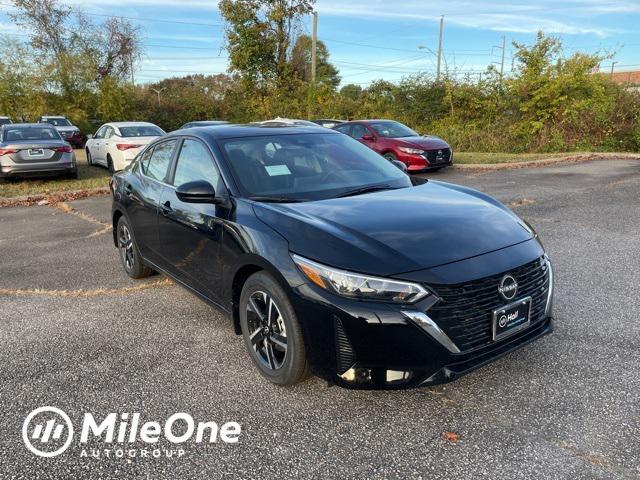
268, 199
370, 188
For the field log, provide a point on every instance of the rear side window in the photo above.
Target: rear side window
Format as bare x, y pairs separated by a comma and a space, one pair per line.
158, 164
195, 163
343, 129
359, 131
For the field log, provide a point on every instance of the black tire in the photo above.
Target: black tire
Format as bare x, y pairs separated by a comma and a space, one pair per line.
89, 159
390, 156
110, 165
73, 174
129, 253
265, 335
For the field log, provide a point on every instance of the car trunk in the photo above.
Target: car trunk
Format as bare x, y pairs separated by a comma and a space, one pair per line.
38, 151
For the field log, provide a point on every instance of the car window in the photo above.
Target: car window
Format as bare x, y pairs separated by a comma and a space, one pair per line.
141, 131
108, 132
100, 133
359, 131
57, 121
157, 166
308, 166
15, 134
195, 163
343, 129
391, 129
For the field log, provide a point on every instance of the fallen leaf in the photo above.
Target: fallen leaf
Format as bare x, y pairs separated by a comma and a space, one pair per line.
451, 437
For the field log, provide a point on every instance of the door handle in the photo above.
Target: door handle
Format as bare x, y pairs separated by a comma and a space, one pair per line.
166, 207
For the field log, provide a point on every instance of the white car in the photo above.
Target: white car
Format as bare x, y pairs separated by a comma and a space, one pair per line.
116, 144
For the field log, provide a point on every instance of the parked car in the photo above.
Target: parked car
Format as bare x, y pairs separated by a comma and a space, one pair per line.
283, 122
65, 128
32, 149
396, 141
328, 259
116, 144
203, 123
327, 123
5, 121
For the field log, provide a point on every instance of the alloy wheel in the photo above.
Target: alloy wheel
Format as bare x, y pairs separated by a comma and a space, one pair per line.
125, 244
268, 332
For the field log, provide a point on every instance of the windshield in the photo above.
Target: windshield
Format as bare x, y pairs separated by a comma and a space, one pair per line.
57, 122
308, 166
141, 131
392, 130
17, 134
4, 121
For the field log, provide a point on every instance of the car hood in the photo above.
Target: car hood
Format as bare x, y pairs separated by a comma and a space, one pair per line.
425, 143
397, 231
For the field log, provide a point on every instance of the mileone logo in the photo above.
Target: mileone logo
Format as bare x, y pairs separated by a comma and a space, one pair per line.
48, 432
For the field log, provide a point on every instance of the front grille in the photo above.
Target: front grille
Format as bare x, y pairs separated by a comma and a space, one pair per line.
442, 155
465, 310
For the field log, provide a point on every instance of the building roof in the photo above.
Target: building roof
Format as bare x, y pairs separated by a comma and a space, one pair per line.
631, 77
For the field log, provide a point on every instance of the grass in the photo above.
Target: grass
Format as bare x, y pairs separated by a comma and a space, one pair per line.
88, 177
484, 158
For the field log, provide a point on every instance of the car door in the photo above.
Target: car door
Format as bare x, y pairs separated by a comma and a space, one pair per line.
95, 147
109, 143
144, 198
191, 233
364, 135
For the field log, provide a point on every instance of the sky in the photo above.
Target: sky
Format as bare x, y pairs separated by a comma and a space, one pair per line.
381, 39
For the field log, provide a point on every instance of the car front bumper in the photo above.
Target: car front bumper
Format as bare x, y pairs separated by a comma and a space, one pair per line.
370, 345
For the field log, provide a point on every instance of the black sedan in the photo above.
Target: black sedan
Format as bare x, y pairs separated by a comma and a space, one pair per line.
331, 260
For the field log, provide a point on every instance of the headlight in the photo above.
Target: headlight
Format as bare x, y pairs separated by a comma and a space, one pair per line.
415, 151
363, 287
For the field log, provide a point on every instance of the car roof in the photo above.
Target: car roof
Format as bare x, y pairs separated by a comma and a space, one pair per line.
53, 116
38, 125
131, 124
226, 131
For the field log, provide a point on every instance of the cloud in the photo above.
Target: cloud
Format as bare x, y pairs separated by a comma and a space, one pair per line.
561, 16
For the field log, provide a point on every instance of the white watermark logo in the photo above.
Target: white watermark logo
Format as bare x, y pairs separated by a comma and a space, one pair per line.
48, 432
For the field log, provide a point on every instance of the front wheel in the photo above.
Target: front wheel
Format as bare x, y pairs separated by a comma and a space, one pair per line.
271, 331
129, 253
390, 156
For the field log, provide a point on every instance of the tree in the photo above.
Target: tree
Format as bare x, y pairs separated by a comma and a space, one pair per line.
77, 53
260, 35
300, 62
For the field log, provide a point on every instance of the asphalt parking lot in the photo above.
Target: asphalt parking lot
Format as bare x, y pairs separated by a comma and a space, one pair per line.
77, 333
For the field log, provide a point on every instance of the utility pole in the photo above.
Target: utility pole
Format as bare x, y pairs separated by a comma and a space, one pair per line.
504, 47
613, 64
314, 45
439, 48
158, 92
133, 80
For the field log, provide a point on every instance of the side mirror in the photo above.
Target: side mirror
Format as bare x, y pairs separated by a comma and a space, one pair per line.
90, 136
400, 165
368, 138
199, 191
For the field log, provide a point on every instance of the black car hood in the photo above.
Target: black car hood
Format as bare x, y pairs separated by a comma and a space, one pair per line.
396, 231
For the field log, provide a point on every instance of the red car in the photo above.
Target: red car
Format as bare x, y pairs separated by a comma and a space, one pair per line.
396, 141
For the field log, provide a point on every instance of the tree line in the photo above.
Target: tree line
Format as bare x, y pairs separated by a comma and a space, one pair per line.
72, 66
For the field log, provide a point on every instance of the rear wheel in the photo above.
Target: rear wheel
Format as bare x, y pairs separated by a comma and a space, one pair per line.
271, 331
129, 253
89, 159
110, 165
73, 174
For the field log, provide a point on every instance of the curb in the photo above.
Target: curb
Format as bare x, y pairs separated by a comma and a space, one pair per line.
52, 198
552, 161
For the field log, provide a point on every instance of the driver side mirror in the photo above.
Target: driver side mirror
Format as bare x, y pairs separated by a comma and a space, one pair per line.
400, 165
368, 138
199, 191
90, 136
